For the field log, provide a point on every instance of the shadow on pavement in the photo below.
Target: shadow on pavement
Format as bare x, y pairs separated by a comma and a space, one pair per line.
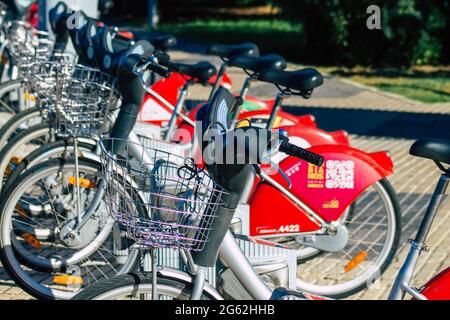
379, 123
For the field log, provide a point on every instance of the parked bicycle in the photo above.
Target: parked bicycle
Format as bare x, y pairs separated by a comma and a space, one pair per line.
183, 217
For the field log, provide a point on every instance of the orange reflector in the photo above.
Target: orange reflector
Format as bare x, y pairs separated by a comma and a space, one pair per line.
68, 280
29, 97
4, 59
8, 170
355, 261
83, 183
16, 160
31, 240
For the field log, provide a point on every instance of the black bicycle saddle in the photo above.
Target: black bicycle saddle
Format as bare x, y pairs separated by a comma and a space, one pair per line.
258, 64
303, 81
164, 42
227, 51
202, 71
433, 149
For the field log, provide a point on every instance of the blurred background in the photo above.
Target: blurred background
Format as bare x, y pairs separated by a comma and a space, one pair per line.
409, 55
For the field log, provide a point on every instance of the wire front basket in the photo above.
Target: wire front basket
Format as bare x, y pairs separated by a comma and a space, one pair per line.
27, 44
78, 98
162, 200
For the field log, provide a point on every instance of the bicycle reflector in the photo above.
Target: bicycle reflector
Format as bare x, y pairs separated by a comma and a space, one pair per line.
68, 280
352, 264
82, 182
32, 240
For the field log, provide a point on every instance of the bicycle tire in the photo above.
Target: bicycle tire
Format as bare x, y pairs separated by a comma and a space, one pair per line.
6, 154
12, 125
137, 282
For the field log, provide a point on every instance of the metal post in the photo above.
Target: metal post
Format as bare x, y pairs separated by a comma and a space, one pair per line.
175, 115
77, 178
244, 92
275, 111
220, 74
154, 252
152, 18
199, 283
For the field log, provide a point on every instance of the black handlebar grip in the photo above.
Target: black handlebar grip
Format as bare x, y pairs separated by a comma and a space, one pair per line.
163, 58
163, 72
295, 151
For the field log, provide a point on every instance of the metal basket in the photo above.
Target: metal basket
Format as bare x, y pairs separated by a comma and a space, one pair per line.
162, 200
78, 98
27, 44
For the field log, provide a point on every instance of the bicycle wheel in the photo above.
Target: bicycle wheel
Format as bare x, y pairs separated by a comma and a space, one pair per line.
137, 287
20, 146
34, 214
374, 229
20, 122
58, 149
14, 96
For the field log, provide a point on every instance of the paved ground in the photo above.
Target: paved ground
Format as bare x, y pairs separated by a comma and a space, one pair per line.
376, 121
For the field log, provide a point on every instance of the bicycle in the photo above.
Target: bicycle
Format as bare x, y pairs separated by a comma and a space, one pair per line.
159, 282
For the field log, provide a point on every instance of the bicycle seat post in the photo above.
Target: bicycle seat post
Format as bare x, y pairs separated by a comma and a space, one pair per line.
176, 112
276, 109
220, 74
243, 95
403, 280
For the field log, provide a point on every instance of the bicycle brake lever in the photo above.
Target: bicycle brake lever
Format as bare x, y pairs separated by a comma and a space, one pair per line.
282, 173
140, 70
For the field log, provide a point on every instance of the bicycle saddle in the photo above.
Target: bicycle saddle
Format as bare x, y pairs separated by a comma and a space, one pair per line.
434, 149
304, 80
201, 71
164, 43
226, 51
258, 65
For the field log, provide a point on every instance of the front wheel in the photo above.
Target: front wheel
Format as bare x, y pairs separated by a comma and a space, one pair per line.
34, 214
137, 287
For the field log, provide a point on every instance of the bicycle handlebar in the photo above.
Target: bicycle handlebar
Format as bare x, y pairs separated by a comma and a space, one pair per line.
163, 72
298, 152
163, 58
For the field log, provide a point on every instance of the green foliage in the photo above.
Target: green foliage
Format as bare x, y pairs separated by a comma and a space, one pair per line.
412, 31
334, 32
